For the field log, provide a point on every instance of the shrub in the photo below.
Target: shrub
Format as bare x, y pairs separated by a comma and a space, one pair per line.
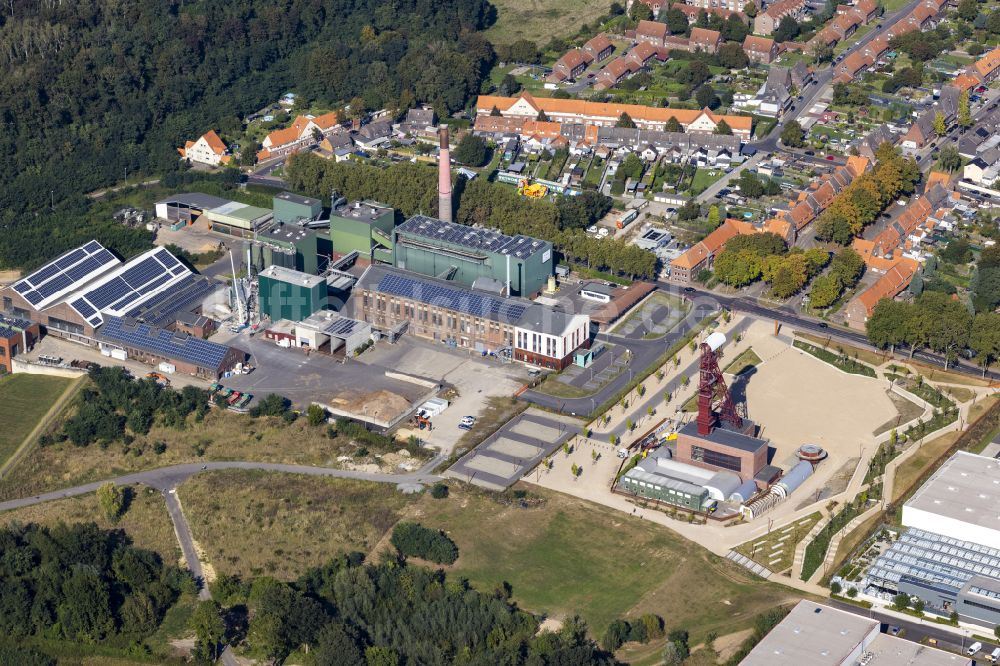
615, 635
439, 491
415, 540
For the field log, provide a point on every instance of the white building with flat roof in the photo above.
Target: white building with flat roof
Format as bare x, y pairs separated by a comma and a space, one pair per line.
820, 635
961, 500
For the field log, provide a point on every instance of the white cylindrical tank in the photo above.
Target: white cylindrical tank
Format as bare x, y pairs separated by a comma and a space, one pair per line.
715, 340
795, 477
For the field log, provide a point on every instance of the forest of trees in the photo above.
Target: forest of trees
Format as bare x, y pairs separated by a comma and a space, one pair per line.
412, 188
118, 406
92, 89
81, 584
352, 614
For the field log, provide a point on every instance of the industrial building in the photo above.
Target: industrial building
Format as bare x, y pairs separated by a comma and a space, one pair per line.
463, 254
391, 299
16, 337
324, 331
291, 208
658, 476
78, 293
186, 207
237, 219
71, 295
286, 245
820, 635
719, 439
363, 227
949, 555
155, 346
289, 294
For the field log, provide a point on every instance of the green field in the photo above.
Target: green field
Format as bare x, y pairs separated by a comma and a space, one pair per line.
25, 400
541, 20
703, 179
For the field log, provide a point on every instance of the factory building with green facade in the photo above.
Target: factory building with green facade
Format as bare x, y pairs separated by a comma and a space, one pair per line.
294, 208
365, 228
465, 254
286, 245
289, 294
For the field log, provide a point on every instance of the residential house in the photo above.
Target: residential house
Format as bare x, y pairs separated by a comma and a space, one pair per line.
890, 285
373, 135
760, 49
702, 39
801, 75
867, 145
654, 5
615, 72
570, 65
208, 149
304, 132
651, 32
922, 130
775, 95
730, 5
692, 12
981, 72
700, 256
334, 142
599, 47
572, 111
419, 121
848, 68
766, 21
641, 54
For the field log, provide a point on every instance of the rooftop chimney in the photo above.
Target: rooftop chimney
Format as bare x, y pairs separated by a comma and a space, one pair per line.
444, 176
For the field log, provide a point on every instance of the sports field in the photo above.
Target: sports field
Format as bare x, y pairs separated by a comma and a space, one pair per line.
25, 400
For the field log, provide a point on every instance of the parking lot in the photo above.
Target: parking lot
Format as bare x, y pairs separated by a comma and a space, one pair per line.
475, 380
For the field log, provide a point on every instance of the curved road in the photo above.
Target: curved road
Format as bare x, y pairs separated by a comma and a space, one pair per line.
165, 479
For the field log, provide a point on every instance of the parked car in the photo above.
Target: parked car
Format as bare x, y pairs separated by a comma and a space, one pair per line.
829, 158
592, 229
467, 422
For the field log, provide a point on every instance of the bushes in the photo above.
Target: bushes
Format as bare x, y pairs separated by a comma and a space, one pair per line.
642, 630
415, 540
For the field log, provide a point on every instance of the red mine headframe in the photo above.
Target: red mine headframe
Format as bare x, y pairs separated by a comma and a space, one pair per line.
712, 390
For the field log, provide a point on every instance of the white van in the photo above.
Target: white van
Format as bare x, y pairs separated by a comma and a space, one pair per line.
974, 648
992, 658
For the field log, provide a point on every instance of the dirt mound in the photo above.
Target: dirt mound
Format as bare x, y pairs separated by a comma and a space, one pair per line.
382, 404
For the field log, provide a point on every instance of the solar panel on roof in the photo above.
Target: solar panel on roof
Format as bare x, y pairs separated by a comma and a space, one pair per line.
104, 257
83, 268
55, 285
33, 297
70, 259
43, 274
92, 247
22, 287
94, 321
452, 299
83, 307
164, 343
143, 272
108, 293
167, 259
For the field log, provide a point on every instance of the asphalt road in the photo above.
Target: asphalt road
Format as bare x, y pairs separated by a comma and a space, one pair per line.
914, 631
167, 478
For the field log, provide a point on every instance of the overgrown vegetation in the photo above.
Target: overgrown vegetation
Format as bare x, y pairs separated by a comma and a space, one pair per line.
413, 540
816, 550
351, 614
119, 406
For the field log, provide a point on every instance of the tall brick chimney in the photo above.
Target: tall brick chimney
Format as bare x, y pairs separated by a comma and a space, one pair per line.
444, 176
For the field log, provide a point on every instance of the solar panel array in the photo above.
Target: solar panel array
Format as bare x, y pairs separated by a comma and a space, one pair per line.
471, 303
132, 286
162, 308
131, 334
64, 274
488, 240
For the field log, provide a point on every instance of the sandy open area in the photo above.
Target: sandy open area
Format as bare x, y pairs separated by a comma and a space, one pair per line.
798, 399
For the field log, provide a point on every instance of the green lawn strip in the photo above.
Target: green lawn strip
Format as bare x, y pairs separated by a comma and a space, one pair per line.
25, 400
844, 363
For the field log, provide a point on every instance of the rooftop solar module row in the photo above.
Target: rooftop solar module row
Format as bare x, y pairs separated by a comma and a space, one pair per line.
146, 338
63, 274
480, 305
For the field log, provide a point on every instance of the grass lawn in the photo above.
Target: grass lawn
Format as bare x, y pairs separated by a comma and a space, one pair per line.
863, 355
947, 377
748, 359
25, 400
777, 549
541, 20
845, 363
554, 387
915, 465
561, 555
296, 521
573, 557
703, 179
223, 435
146, 520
